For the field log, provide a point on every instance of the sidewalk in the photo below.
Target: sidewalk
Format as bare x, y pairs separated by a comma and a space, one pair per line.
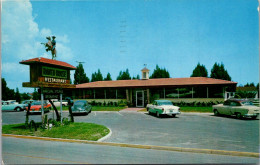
131, 109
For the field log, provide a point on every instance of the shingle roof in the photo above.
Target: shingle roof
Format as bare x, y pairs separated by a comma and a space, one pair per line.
191, 81
47, 61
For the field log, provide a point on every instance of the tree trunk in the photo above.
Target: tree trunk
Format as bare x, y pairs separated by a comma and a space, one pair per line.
56, 111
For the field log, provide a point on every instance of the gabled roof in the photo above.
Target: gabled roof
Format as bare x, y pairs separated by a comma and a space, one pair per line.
47, 61
145, 69
161, 82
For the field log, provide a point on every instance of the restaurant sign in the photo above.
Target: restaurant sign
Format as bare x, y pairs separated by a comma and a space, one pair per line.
54, 75
50, 93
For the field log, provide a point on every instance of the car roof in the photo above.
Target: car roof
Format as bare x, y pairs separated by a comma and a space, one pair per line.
238, 100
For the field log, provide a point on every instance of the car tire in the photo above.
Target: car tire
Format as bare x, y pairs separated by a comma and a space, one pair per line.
173, 115
157, 114
216, 113
18, 109
254, 117
238, 115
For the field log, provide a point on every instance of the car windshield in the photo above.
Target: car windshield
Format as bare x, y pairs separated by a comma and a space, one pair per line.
79, 103
37, 103
165, 103
247, 103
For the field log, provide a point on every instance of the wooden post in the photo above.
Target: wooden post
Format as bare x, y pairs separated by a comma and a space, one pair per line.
148, 96
127, 96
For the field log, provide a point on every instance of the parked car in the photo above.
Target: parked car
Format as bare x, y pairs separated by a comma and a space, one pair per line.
239, 108
36, 107
10, 106
81, 106
26, 102
57, 103
161, 107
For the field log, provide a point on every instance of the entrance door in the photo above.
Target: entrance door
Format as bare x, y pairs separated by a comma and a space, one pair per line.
139, 98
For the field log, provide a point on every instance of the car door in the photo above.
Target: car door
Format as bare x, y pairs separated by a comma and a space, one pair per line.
225, 108
153, 107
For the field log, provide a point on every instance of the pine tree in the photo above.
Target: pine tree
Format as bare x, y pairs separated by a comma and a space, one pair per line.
80, 75
108, 78
97, 76
219, 72
160, 73
17, 95
200, 71
124, 75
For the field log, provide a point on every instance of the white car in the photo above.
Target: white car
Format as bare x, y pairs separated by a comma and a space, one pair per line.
161, 107
57, 103
238, 108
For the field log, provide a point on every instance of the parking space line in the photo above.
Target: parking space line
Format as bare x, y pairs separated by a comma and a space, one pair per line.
119, 114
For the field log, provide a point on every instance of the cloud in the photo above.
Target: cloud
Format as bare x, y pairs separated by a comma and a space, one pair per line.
21, 40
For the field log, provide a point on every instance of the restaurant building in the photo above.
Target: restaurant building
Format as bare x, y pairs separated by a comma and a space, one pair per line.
138, 93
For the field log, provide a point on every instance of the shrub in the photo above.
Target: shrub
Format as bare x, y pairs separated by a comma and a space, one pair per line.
115, 104
104, 104
65, 121
93, 102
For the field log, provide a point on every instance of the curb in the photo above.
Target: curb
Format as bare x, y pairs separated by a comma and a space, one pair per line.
106, 137
164, 148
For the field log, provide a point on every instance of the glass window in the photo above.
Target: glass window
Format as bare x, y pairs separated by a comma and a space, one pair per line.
226, 103
247, 103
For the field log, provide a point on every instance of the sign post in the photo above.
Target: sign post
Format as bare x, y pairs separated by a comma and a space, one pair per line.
61, 108
42, 107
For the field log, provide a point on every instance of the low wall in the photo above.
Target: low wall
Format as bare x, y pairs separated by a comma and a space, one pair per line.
102, 100
190, 100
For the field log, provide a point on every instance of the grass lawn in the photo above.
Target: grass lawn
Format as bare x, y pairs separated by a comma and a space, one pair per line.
196, 109
81, 131
97, 108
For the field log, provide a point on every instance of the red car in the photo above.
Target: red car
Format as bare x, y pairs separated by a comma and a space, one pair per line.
36, 107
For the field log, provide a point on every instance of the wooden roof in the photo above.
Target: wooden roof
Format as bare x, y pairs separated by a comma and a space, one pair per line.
161, 82
48, 61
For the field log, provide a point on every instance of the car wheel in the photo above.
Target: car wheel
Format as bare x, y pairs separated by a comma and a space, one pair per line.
254, 117
157, 114
173, 115
18, 109
216, 112
238, 115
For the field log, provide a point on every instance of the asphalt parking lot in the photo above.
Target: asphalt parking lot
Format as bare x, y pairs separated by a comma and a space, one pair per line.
189, 130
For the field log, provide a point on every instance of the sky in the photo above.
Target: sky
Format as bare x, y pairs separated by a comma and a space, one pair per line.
115, 35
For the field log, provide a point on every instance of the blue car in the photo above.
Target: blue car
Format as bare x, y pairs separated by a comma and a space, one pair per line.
81, 106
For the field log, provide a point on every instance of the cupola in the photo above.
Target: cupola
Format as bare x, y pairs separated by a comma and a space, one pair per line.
145, 73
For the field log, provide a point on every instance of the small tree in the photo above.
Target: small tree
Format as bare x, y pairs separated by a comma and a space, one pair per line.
249, 85
7, 94
36, 95
80, 75
25, 96
137, 77
200, 71
124, 75
160, 73
108, 78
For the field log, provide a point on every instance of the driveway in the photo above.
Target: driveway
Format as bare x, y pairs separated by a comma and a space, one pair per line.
188, 130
